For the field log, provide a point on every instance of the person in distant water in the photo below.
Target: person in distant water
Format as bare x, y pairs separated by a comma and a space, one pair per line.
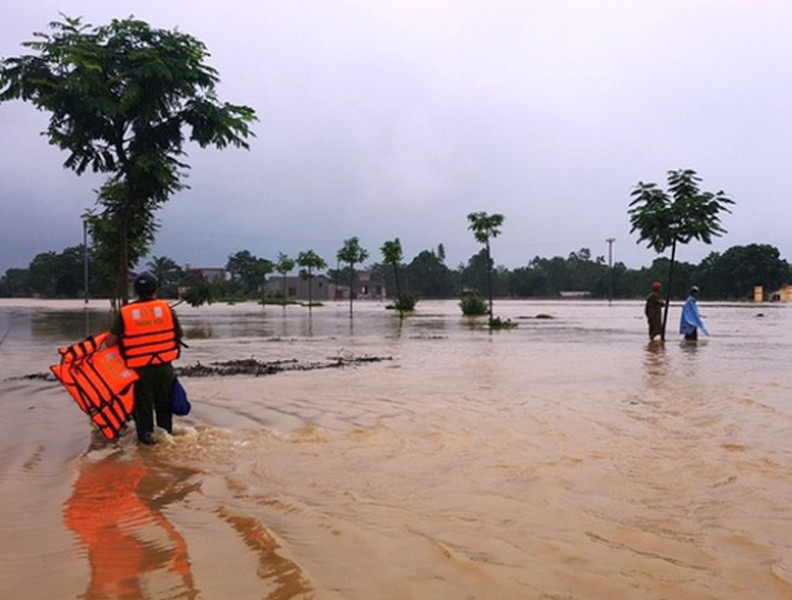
653, 311
149, 336
690, 321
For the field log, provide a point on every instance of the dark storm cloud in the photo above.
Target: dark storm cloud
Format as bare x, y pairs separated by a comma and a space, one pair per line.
397, 119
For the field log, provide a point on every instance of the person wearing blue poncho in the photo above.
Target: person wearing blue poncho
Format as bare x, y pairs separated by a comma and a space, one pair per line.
690, 321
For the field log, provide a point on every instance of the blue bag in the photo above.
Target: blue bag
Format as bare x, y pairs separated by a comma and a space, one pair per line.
180, 405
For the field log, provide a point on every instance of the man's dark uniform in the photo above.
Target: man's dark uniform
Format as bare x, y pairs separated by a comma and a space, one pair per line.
149, 335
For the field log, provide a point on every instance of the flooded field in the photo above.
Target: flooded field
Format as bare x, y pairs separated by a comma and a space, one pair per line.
566, 459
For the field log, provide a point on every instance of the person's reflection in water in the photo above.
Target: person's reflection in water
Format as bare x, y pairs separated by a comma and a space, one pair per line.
656, 363
122, 530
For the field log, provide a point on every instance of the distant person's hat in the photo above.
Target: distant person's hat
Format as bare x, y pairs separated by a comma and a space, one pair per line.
656, 285
694, 290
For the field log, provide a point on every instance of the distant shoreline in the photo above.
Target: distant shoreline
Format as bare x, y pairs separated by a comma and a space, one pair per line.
102, 304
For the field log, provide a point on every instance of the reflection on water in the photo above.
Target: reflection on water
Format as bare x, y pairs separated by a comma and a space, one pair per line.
65, 325
566, 458
116, 509
656, 363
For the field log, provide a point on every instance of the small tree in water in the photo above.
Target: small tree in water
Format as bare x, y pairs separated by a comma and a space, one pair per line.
308, 261
392, 254
283, 266
352, 253
120, 97
484, 227
664, 220
473, 305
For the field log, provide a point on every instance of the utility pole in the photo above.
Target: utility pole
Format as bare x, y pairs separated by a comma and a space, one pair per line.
85, 216
610, 269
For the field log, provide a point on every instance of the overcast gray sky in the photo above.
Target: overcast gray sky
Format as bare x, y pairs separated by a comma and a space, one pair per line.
384, 119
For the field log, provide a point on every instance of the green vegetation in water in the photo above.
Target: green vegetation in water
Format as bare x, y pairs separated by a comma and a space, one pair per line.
405, 302
498, 323
473, 306
279, 301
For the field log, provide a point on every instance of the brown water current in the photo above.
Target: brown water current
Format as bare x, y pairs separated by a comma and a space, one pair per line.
566, 459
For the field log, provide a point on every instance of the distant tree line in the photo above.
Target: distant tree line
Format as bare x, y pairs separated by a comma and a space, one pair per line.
730, 275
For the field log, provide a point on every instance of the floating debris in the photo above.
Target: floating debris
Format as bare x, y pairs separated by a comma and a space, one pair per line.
248, 366
251, 366
41, 376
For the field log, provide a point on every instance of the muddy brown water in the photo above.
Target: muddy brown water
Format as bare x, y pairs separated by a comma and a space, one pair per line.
565, 459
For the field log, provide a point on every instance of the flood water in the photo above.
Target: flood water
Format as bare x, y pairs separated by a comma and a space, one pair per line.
566, 459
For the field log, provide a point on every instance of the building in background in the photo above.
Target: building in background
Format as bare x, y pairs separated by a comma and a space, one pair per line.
323, 289
296, 288
210, 274
784, 294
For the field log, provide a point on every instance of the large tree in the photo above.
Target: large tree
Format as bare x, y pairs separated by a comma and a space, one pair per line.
741, 268
124, 99
429, 275
665, 219
43, 271
484, 228
248, 272
352, 253
15, 282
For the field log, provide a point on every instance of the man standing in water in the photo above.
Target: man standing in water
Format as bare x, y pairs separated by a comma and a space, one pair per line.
149, 334
690, 321
653, 311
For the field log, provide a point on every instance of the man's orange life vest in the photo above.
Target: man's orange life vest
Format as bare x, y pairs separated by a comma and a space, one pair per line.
149, 336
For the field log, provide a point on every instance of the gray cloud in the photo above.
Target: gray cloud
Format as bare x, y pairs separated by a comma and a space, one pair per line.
397, 119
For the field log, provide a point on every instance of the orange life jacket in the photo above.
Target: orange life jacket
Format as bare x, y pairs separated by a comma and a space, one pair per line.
99, 382
149, 334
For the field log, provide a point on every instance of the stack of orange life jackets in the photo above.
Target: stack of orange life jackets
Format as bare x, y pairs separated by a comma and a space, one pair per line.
99, 381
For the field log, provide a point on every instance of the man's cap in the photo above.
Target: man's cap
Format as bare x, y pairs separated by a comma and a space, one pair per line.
146, 284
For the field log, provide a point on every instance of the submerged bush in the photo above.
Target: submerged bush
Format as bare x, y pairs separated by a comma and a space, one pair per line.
473, 306
498, 323
406, 301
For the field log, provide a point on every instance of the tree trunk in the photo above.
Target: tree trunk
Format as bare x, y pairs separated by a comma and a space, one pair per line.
310, 291
351, 286
489, 281
668, 290
398, 290
123, 279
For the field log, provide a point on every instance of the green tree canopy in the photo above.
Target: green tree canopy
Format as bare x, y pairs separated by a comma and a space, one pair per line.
15, 283
284, 265
309, 261
168, 273
352, 253
428, 275
484, 228
124, 99
393, 255
741, 268
684, 213
248, 272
